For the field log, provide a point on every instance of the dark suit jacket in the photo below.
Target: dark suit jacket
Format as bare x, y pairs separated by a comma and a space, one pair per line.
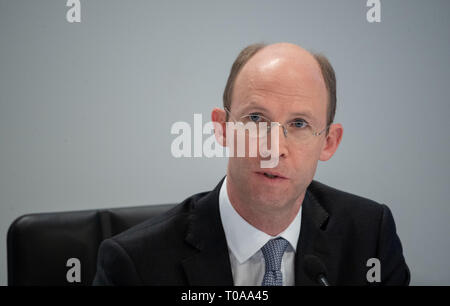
187, 245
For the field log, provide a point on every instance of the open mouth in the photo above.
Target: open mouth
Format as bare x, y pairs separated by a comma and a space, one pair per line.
270, 175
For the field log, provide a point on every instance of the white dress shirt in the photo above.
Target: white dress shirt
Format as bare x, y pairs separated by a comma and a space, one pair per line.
245, 242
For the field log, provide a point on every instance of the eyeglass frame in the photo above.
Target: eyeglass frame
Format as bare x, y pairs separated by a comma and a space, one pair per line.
269, 127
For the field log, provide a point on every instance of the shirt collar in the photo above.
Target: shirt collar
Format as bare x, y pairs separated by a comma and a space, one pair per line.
243, 239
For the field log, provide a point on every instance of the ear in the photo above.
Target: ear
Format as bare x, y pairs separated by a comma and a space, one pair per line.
218, 117
332, 141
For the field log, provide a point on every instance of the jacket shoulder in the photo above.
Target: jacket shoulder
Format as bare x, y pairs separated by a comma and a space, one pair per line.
339, 202
167, 225
149, 252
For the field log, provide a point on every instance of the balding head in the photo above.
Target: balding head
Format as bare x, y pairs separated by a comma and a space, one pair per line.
286, 69
283, 59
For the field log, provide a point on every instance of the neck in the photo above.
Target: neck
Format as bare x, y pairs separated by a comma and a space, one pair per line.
270, 220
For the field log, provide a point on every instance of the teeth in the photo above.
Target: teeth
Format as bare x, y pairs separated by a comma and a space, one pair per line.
269, 175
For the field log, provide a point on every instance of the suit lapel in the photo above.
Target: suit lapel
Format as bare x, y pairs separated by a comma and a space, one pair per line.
312, 239
210, 265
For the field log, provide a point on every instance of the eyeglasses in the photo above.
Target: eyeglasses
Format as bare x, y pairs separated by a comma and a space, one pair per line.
299, 129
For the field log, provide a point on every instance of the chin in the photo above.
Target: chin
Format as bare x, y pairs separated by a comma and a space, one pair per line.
271, 198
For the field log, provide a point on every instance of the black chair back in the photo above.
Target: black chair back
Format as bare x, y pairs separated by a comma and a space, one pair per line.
40, 245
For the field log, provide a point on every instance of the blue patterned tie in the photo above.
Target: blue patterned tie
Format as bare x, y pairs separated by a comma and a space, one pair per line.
273, 253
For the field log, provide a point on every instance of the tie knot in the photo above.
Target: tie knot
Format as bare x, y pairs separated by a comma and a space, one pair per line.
273, 253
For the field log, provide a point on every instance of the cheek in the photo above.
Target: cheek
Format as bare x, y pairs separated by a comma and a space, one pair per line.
304, 162
240, 166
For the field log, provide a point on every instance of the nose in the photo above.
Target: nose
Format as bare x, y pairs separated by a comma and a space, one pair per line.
283, 142
284, 131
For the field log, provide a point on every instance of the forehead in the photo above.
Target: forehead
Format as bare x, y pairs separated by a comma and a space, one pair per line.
281, 81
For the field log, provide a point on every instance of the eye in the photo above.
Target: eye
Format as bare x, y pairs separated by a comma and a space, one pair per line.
299, 123
255, 117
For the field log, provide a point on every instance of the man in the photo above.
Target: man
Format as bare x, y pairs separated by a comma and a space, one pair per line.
258, 226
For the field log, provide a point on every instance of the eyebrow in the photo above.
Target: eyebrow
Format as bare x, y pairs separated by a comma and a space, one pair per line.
253, 106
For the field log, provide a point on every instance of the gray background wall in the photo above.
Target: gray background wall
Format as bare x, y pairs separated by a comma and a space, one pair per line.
86, 109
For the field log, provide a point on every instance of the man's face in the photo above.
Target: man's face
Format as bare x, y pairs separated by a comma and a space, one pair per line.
282, 85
